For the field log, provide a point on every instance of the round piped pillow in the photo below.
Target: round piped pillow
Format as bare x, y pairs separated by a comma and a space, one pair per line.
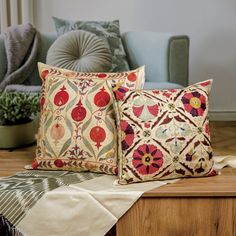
80, 51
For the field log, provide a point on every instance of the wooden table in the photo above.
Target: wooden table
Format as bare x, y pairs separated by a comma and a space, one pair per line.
199, 207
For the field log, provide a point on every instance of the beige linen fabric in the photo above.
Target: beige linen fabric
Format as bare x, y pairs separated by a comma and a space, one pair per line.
88, 208
223, 161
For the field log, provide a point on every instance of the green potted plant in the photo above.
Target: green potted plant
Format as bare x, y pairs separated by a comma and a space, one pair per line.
18, 118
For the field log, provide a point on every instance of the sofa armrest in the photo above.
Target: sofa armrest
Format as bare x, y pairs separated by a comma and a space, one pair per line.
47, 40
164, 55
178, 62
3, 59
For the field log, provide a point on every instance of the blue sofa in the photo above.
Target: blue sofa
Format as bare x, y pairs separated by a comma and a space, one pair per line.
164, 55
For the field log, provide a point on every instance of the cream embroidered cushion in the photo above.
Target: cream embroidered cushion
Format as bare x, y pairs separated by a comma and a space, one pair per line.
77, 126
164, 134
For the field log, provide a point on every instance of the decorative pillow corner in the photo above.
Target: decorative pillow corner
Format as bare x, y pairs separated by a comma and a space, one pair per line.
164, 134
77, 129
110, 30
80, 51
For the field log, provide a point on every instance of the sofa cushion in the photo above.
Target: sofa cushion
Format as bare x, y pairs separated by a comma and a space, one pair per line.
161, 85
77, 125
109, 30
164, 55
80, 51
164, 134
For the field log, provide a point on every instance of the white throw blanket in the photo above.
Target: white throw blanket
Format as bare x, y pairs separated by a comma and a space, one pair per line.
88, 208
222, 161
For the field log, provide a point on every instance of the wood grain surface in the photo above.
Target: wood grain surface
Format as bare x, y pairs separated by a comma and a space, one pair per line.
179, 217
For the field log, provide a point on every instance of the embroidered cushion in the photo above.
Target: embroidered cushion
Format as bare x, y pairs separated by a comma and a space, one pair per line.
77, 125
109, 30
164, 134
80, 51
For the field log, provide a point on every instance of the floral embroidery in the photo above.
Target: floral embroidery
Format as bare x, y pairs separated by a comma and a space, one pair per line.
207, 128
144, 108
147, 159
127, 135
171, 134
194, 103
119, 91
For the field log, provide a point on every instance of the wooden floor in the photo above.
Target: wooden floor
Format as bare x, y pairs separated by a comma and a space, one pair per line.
223, 135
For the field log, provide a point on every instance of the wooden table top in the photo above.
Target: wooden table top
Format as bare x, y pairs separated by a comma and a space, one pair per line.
223, 185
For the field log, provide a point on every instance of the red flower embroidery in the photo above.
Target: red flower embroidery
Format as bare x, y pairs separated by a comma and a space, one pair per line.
127, 134
147, 159
147, 125
119, 91
207, 128
44, 74
194, 103
205, 83
34, 164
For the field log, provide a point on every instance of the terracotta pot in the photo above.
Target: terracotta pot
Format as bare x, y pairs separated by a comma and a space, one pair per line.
18, 135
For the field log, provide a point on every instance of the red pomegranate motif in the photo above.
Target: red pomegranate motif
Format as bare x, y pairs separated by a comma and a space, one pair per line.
79, 112
98, 135
102, 98
42, 102
57, 132
61, 97
44, 74
132, 77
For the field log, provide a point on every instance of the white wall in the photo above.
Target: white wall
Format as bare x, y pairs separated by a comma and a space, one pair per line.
210, 24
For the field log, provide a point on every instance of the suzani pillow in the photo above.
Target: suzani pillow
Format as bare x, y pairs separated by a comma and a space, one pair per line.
109, 30
164, 134
77, 125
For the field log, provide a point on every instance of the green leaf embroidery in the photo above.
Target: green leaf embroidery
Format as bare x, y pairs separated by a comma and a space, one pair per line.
65, 146
74, 87
89, 146
107, 148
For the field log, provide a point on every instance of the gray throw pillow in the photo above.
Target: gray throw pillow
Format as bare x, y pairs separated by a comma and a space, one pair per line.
80, 51
105, 29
